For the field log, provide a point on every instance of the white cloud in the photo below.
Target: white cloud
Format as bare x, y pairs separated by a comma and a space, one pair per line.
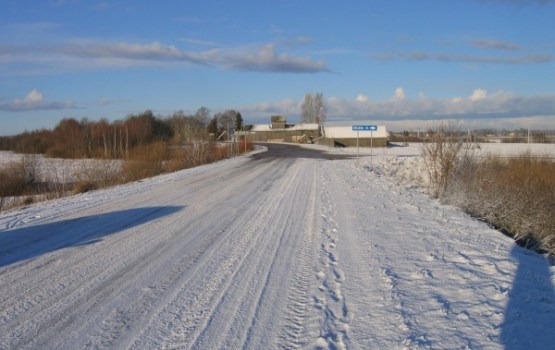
479, 106
200, 42
447, 57
34, 100
399, 94
33, 97
478, 95
262, 59
484, 43
288, 107
93, 54
361, 98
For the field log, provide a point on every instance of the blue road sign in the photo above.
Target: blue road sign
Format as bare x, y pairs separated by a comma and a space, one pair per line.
365, 128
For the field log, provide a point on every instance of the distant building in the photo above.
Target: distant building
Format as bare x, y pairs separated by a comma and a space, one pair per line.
342, 135
279, 131
334, 135
278, 122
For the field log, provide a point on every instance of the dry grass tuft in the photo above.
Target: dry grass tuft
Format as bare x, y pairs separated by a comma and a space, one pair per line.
22, 178
145, 161
84, 186
516, 195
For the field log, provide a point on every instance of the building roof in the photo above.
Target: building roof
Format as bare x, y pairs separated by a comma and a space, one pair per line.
296, 127
261, 127
307, 126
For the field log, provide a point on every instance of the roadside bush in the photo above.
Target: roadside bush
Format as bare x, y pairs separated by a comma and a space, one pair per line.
440, 157
99, 173
12, 179
13, 182
53, 180
515, 195
145, 161
202, 153
244, 146
84, 186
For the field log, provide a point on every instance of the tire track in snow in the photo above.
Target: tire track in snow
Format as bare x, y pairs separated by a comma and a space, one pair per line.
252, 275
189, 317
56, 300
158, 296
295, 327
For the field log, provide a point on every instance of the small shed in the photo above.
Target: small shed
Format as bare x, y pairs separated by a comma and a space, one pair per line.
278, 122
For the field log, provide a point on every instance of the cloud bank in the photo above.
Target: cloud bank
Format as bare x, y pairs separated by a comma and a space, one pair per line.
85, 54
484, 43
478, 107
34, 101
446, 57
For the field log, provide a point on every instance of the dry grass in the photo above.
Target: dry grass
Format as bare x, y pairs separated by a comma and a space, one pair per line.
84, 186
440, 156
12, 182
245, 146
145, 161
22, 178
515, 195
161, 157
16, 179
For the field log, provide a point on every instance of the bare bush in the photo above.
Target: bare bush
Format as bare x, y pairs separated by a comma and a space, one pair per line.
515, 195
203, 153
244, 146
39, 180
12, 182
97, 174
440, 157
31, 168
84, 186
146, 161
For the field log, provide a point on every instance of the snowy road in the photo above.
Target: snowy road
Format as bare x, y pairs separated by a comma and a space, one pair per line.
289, 248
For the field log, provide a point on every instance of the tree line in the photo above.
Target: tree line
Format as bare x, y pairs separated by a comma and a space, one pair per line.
84, 138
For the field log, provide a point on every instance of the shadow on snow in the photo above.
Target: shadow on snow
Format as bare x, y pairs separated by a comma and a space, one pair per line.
530, 312
30, 242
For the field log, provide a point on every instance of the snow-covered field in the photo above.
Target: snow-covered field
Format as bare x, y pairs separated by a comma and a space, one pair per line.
292, 247
61, 170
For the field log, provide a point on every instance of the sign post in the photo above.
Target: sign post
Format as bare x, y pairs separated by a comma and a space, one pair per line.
357, 146
370, 128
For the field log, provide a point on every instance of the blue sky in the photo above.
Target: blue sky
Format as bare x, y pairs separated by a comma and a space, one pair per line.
405, 64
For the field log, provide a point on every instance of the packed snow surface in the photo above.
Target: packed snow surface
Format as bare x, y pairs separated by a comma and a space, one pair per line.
288, 247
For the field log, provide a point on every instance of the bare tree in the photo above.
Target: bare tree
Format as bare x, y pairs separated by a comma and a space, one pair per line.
306, 109
319, 108
313, 109
202, 115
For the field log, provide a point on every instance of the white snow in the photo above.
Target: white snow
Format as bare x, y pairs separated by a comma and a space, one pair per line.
282, 249
62, 170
